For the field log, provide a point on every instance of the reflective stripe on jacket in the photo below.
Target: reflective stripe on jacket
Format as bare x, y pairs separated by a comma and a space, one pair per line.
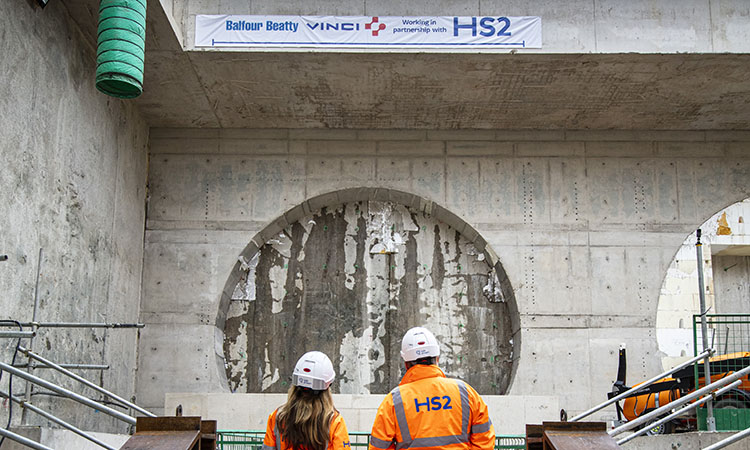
338, 438
428, 411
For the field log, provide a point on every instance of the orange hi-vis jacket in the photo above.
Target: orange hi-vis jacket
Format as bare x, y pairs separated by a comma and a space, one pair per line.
429, 411
338, 439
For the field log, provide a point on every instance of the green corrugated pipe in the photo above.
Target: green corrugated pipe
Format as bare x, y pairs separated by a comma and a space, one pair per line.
120, 50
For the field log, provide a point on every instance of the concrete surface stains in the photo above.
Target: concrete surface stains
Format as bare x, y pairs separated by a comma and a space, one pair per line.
349, 281
723, 226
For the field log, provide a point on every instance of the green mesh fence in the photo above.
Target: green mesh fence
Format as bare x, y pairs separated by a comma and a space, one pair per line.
729, 334
253, 440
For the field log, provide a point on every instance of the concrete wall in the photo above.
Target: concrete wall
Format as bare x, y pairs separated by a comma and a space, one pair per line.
72, 184
509, 413
732, 284
731, 259
599, 26
684, 441
585, 224
61, 439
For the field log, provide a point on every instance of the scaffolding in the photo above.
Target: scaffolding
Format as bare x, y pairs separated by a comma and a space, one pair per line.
29, 331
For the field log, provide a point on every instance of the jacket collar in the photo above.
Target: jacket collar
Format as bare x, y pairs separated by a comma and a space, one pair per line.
420, 371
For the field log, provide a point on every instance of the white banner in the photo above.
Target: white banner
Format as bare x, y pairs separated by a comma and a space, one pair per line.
468, 33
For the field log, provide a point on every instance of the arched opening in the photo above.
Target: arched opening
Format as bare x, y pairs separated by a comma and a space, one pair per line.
726, 271
348, 273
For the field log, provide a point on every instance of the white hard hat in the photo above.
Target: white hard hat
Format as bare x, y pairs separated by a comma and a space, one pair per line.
314, 371
419, 343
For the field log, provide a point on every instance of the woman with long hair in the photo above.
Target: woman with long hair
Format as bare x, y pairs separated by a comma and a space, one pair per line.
308, 419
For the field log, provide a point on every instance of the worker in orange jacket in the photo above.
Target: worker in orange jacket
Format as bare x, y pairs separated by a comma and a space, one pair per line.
308, 420
428, 410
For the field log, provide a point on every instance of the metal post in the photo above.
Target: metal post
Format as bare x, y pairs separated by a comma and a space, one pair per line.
680, 401
710, 420
70, 394
57, 420
680, 412
84, 381
29, 369
642, 386
730, 440
23, 440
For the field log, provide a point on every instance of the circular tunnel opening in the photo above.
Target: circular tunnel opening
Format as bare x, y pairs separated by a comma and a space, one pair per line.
725, 265
349, 279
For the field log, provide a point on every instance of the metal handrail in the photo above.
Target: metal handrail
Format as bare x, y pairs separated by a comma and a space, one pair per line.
23, 440
641, 386
730, 440
680, 411
81, 325
84, 381
693, 395
70, 394
17, 334
62, 423
66, 366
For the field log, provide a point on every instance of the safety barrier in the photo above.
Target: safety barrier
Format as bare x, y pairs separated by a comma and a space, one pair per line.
253, 440
14, 369
729, 334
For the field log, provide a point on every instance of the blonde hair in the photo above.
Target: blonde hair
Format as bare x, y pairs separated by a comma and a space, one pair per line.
304, 420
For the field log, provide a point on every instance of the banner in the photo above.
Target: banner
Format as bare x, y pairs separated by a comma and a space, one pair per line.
469, 33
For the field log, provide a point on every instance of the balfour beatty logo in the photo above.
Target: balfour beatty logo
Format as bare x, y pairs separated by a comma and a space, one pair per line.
269, 25
422, 352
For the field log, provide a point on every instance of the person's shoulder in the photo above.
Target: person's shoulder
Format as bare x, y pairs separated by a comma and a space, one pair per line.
272, 418
388, 398
337, 420
454, 380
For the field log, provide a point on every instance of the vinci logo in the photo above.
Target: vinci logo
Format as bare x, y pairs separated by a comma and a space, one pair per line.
333, 26
369, 26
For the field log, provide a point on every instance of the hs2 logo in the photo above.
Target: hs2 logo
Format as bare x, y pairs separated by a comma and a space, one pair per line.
433, 404
487, 26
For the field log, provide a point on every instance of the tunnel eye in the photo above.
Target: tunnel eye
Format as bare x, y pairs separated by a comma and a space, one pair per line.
401, 256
